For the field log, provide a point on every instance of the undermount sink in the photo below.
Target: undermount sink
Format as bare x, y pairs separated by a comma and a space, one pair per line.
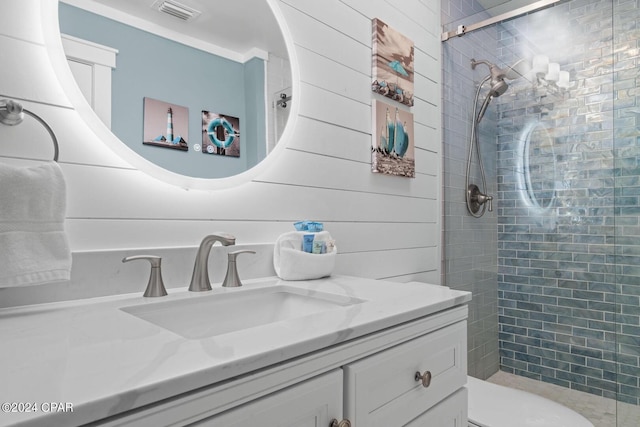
216, 314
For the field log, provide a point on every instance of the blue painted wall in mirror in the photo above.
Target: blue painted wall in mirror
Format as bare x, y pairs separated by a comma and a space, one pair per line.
159, 68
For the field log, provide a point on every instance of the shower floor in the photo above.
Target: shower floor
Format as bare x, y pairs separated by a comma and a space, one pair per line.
599, 410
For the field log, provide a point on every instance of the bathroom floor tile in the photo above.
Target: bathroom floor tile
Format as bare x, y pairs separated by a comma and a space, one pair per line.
599, 410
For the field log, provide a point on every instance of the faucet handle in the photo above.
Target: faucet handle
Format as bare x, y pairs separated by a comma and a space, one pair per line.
232, 280
155, 287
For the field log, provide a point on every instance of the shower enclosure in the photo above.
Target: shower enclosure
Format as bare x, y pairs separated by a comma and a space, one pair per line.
555, 268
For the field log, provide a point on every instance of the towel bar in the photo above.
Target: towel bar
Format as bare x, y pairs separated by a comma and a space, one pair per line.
12, 113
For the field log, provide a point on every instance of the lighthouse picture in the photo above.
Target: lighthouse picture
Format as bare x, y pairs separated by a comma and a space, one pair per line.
170, 124
165, 125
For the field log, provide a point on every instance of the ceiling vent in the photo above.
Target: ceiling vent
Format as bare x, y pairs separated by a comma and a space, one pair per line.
176, 9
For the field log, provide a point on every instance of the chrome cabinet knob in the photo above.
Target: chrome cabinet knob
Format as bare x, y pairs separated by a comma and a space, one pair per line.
425, 378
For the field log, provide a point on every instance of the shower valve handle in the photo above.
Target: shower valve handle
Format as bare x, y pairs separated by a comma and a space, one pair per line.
483, 198
476, 199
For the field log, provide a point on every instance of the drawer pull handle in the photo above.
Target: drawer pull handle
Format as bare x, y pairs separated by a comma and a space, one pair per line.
425, 378
343, 423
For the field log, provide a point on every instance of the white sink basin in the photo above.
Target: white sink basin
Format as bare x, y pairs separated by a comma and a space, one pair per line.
202, 316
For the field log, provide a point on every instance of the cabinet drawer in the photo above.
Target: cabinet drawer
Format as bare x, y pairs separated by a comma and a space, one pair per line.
382, 389
312, 403
451, 412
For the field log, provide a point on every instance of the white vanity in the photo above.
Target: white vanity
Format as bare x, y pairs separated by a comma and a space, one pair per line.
372, 352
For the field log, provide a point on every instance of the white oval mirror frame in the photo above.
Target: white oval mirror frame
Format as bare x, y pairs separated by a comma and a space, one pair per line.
85, 111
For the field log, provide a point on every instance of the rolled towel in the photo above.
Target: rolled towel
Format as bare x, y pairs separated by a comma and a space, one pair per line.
34, 247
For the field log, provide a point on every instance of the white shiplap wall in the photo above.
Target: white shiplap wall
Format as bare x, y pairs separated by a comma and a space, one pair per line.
386, 227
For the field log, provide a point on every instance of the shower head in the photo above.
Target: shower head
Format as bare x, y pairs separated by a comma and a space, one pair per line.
498, 85
519, 69
496, 79
497, 75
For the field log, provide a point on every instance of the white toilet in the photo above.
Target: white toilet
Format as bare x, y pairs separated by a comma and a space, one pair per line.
493, 405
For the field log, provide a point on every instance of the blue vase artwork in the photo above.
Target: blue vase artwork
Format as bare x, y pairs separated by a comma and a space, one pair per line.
392, 149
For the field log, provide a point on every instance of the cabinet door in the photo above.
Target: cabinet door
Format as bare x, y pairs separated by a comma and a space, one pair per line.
313, 403
451, 412
382, 390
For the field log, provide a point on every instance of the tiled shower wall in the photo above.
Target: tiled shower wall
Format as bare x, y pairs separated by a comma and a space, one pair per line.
569, 236
470, 244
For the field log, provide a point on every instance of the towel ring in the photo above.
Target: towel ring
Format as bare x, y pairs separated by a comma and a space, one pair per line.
12, 113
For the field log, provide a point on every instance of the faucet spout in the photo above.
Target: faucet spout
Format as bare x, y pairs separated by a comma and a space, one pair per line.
200, 278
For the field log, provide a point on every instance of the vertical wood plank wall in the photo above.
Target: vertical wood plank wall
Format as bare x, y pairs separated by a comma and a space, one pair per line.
386, 227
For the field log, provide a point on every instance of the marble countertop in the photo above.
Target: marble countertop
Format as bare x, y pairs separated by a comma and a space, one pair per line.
98, 360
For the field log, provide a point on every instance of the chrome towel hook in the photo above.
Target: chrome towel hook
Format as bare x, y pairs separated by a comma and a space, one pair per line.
12, 113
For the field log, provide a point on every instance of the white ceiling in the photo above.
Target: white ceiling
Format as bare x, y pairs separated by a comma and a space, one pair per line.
239, 26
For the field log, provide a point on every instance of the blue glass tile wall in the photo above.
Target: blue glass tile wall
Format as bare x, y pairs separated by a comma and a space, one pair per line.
568, 187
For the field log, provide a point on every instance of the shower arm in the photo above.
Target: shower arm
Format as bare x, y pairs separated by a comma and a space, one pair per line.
475, 63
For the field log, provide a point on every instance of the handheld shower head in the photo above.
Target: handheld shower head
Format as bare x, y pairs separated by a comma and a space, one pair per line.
497, 81
498, 87
497, 75
483, 109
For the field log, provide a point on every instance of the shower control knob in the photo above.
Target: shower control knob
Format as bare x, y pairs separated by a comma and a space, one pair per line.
475, 200
483, 198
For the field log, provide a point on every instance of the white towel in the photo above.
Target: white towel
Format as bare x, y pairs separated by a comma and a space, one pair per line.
33, 244
291, 263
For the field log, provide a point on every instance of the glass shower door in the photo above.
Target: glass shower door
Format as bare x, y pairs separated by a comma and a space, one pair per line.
566, 164
626, 148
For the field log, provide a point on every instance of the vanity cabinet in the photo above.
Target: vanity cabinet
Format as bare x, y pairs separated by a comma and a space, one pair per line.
409, 375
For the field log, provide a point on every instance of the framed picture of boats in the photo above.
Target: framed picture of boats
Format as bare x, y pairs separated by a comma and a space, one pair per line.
392, 149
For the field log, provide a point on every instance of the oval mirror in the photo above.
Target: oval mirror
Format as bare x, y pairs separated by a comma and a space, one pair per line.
538, 165
198, 88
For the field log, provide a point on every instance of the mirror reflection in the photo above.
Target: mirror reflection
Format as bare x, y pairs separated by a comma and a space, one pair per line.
199, 91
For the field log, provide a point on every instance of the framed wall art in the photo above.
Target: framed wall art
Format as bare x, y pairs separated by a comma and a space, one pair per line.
392, 150
393, 66
220, 134
165, 125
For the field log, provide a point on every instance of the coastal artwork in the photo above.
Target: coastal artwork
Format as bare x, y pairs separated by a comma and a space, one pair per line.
165, 125
393, 67
220, 134
392, 149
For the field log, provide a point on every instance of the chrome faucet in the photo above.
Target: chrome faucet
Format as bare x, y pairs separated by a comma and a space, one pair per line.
200, 278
